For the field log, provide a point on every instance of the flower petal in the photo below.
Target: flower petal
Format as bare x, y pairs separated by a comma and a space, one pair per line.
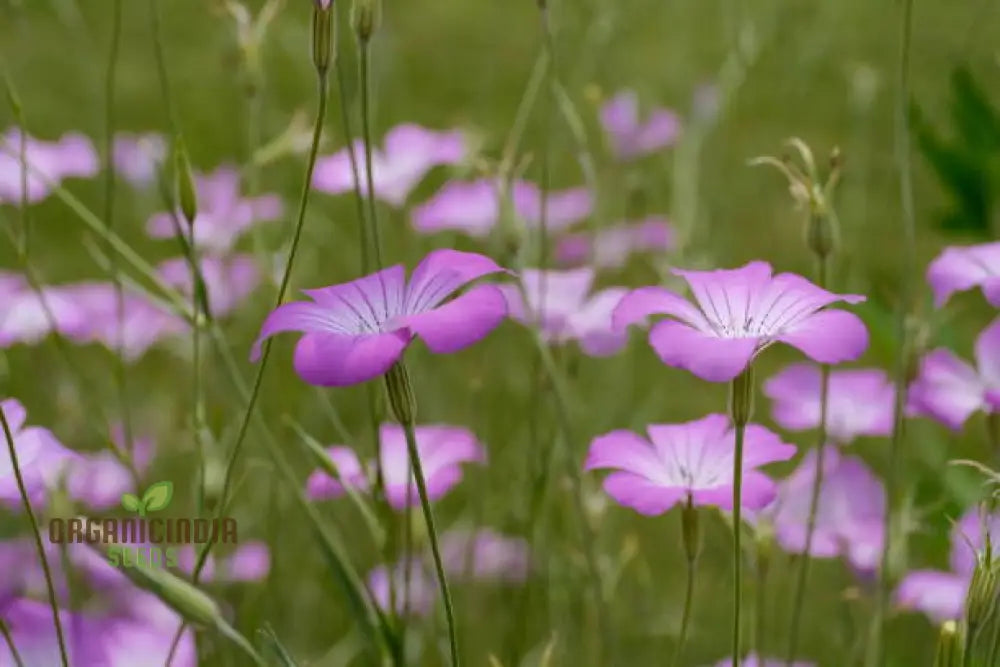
336, 360
946, 389
441, 273
296, 316
640, 303
709, 357
460, 322
466, 207
939, 595
988, 354
641, 494
829, 336
622, 450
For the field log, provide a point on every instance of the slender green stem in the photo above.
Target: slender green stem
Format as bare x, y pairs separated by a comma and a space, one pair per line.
760, 600
686, 617
161, 64
366, 132
875, 649
9, 640
36, 534
817, 486
425, 506
692, 540
737, 547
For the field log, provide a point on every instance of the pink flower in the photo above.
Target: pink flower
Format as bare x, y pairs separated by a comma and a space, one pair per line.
228, 281
752, 660
72, 156
223, 214
739, 312
356, 331
849, 516
630, 137
410, 152
29, 316
959, 268
559, 301
473, 208
859, 401
485, 555
137, 157
941, 594
442, 449
950, 390
415, 587
250, 561
694, 459
40, 457
612, 247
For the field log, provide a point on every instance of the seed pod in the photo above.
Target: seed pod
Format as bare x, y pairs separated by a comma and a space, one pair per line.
690, 531
400, 392
323, 35
741, 397
365, 17
949, 648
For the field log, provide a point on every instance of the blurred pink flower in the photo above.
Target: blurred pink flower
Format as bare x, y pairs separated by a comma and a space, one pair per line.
228, 281
949, 390
751, 660
959, 268
630, 136
49, 163
223, 214
739, 312
474, 207
941, 594
250, 561
355, 331
40, 456
849, 515
690, 460
138, 156
441, 448
410, 151
28, 315
559, 301
415, 586
485, 555
859, 401
612, 247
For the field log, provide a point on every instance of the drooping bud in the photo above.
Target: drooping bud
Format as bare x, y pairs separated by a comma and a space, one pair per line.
186, 194
741, 395
400, 392
323, 35
365, 17
949, 648
691, 531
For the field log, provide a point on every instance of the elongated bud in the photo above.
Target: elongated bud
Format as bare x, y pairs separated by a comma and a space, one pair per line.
186, 194
691, 531
365, 18
741, 397
323, 35
821, 233
400, 392
949, 648
981, 615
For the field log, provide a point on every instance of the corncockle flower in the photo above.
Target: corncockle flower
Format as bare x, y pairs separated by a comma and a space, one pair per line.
859, 401
223, 214
485, 555
959, 268
29, 315
356, 331
558, 301
849, 514
949, 390
72, 156
611, 248
137, 157
941, 594
39, 453
739, 312
752, 660
228, 281
442, 449
630, 137
473, 207
410, 152
98, 479
416, 600
250, 561
681, 461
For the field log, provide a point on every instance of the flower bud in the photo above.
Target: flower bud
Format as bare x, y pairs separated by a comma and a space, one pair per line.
691, 531
400, 392
186, 193
821, 234
323, 35
981, 604
741, 397
949, 648
365, 18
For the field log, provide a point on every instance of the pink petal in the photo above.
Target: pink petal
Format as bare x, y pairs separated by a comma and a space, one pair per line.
709, 357
467, 207
988, 353
336, 360
946, 389
829, 336
636, 306
939, 595
622, 450
460, 322
441, 273
641, 494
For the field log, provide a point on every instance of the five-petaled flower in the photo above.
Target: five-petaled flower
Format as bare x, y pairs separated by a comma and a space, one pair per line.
356, 331
739, 312
441, 448
949, 390
691, 460
631, 137
959, 268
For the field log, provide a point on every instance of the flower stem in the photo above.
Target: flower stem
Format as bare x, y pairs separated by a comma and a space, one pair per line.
366, 132
875, 650
39, 547
9, 640
760, 600
740, 408
692, 545
686, 617
817, 486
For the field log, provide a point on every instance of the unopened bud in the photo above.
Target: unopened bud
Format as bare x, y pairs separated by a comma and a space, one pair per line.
741, 397
981, 603
821, 233
400, 392
691, 531
323, 35
365, 18
949, 648
186, 194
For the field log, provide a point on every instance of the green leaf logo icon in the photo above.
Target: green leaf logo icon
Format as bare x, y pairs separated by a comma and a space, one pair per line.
130, 502
158, 496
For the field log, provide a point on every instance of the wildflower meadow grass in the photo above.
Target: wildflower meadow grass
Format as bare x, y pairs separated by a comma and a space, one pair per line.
513, 334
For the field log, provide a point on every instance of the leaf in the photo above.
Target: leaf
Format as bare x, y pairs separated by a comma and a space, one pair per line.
158, 496
272, 648
130, 502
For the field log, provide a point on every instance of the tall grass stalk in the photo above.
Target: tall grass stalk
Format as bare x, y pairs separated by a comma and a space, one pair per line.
875, 649
37, 536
